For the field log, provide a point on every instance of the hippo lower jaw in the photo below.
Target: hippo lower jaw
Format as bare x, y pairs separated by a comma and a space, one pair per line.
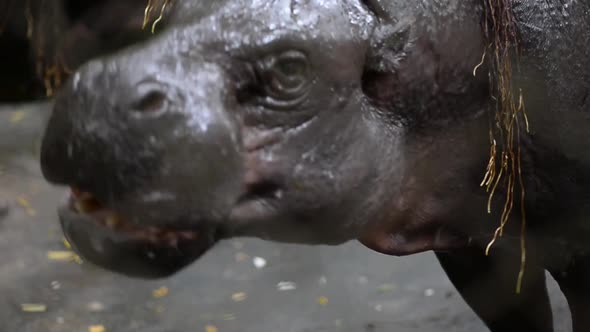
107, 241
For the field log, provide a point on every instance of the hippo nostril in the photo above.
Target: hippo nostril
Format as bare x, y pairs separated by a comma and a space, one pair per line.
152, 102
150, 97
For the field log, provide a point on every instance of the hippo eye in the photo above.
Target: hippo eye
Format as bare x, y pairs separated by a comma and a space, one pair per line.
287, 68
285, 78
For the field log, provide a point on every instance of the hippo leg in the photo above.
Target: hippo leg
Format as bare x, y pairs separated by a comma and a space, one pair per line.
575, 284
488, 285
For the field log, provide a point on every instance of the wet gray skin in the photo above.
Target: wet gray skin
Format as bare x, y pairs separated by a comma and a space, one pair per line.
321, 122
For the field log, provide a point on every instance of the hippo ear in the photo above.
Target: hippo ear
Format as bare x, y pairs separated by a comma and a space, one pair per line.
390, 44
389, 41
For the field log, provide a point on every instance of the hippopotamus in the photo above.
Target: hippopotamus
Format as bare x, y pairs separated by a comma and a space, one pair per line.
321, 122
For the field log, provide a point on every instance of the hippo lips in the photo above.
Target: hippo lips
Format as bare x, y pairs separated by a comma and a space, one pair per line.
101, 237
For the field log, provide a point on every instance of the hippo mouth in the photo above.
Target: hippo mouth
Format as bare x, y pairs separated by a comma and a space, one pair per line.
85, 203
104, 238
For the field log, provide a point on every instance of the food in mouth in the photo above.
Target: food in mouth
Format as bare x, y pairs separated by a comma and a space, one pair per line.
86, 205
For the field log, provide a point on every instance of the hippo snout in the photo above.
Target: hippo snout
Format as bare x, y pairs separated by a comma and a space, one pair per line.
105, 120
152, 158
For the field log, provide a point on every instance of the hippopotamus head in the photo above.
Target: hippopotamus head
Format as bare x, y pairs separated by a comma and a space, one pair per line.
312, 122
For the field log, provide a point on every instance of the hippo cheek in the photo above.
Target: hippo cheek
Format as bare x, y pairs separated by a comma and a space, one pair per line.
128, 253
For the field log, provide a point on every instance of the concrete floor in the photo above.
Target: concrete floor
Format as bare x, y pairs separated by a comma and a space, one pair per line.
364, 291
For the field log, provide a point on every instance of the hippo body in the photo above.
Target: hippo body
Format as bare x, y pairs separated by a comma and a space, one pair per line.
327, 121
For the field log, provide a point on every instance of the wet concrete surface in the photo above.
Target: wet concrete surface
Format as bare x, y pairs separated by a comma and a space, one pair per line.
346, 288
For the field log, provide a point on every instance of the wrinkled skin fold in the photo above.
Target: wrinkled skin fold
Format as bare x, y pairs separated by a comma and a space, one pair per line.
325, 121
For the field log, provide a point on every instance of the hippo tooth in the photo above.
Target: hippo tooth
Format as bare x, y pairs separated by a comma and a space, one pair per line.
78, 206
112, 221
84, 207
187, 235
88, 205
82, 195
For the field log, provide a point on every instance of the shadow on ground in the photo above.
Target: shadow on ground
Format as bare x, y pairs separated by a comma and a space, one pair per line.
345, 289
